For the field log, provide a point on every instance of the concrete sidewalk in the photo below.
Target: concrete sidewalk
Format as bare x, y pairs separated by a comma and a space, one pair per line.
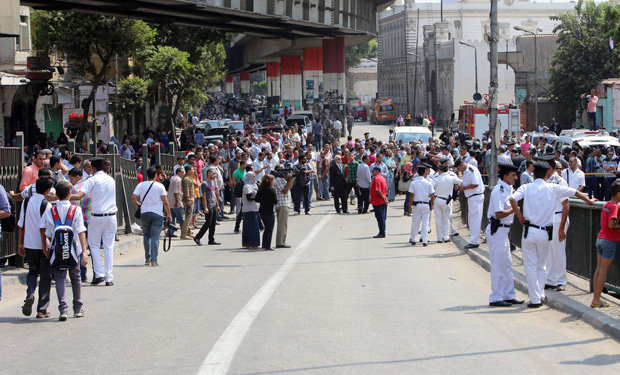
575, 300
17, 275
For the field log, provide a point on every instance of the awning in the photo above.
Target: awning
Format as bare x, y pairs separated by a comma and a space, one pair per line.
7, 79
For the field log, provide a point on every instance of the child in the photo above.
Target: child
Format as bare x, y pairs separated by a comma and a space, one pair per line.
63, 191
606, 241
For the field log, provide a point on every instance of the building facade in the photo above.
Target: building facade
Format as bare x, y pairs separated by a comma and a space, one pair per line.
411, 35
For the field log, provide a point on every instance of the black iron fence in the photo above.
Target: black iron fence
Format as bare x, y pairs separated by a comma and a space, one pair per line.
10, 173
584, 225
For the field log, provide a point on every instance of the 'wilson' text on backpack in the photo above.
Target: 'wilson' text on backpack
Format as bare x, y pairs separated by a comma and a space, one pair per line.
63, 252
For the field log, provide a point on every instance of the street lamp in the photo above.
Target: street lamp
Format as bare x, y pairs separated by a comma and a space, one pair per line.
415, 79
476, 94
535, 33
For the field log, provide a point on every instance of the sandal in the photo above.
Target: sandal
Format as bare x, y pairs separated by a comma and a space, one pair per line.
600, 305
43, 315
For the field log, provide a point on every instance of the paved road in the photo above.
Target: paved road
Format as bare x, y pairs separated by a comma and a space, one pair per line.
338, 302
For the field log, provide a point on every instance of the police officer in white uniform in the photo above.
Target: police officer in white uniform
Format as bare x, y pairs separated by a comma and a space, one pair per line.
444, 184
539, 201
505, 155
556, 258
500, 216
421, 200
473, 188
102, 224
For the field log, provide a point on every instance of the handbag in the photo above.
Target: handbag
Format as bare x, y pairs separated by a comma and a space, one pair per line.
139, 210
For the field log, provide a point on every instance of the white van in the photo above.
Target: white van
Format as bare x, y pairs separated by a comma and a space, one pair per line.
411, 133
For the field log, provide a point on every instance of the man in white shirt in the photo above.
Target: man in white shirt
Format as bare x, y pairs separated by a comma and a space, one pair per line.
473, 187
444, 186
175, 199
505, 154
337, 129
574, 177
422, 196
260, 167
102, 224
364, 179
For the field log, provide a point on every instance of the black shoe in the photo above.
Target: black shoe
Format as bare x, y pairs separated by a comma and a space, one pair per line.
224, 217
338, 212
110, 283
456, 234
27, 308
471, 246
534, 305
514, 301
439, 241
84, 279
379, 236
237, 231
285, 246
547, 286
268, 249
500, 304
197, 241
560, 288
214, 243
345, 212
424, 244
97, 281
172, 235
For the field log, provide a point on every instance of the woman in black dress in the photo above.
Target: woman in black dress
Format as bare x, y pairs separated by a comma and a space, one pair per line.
267, 198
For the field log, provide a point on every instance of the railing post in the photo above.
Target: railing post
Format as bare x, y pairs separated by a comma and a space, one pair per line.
92, 147
19, 143
158, 153
145, 158
71, 146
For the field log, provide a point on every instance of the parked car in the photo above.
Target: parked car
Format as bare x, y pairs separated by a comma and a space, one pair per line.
275, 114
301, 120
412, 133
585, 140
236, 127
360, 113
303, 113
216, 134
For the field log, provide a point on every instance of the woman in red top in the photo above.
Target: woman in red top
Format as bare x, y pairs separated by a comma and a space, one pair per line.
606, 241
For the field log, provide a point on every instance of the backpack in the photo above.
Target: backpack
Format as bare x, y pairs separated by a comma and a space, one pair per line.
166, 183
238, 191
63, 254
8, 223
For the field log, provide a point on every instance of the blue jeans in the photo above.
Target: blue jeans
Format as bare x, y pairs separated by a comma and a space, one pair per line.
380, 213
151, 228
317, 141
592, 186
324, 187
407, 197
177, 217
299, 193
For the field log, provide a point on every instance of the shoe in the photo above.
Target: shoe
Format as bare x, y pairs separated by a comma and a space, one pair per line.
224, 217
27, 308
173, 235
197, 241
147, 261
217, 223
547, 286
296, 213
63, 317
560, 288
214, 243
84, 279
345, 212
186, 238
154, 264
601, 305
500, 304
439, 241
236, 231
285, 246
79, 314
471, 246
97, 280
338, 212
379, 236
514, 301
268, 249
424, 244
231, 213
308, 213
534, 305
43, 315
455, 234
411, 241
110, 283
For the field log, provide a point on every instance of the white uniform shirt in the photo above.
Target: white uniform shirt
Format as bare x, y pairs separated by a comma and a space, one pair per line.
102, 191
471, 176
47, 221
259, 165
574, 179
151, 202
556, 179
422, 189
499, 201
505, 158
471, 161
444, 184
32, 235
539, 199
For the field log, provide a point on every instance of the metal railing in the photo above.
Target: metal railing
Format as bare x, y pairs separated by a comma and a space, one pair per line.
10, 173
584, 225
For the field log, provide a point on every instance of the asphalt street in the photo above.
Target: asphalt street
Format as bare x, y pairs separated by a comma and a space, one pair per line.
337, 302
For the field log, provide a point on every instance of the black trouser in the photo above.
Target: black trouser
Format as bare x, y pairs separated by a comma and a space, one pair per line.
364, 200
340, 199
210, 220
300, 192
39, 266
356, 189
269, 221
239, 217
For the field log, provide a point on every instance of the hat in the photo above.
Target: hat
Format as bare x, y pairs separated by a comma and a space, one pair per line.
367, 133
97, 163
505, 168
458, 161
549, 159
541, 165
442, 167
511, 143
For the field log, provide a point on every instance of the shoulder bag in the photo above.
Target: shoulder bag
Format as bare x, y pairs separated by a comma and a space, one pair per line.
139, 210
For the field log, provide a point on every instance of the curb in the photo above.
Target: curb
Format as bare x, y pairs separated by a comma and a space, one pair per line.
555, 300
17, 276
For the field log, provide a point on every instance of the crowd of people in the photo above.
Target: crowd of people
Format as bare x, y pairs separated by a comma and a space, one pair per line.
259, 179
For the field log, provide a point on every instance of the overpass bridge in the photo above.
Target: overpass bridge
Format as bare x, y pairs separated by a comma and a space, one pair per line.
300, 43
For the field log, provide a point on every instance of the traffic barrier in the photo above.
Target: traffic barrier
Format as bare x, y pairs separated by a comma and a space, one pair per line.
584, 225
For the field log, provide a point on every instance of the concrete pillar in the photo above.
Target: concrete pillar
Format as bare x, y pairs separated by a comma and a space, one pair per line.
313, 75
245, 83
333, 67
291, 81
273, 83
229, 85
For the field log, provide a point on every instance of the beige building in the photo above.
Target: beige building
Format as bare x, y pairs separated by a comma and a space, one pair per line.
362, 81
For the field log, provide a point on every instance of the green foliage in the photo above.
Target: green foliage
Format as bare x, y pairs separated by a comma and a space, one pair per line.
259, 87
353, 55
167, 66
130, 95
583, 58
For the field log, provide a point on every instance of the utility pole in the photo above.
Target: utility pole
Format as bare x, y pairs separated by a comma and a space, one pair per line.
415, 67
405, 19
493, 106
437, 101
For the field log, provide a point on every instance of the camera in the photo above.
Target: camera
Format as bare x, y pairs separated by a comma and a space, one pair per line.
168, 225
286, 172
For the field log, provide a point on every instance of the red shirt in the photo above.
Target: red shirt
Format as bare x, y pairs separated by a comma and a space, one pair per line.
378, 184
610, 211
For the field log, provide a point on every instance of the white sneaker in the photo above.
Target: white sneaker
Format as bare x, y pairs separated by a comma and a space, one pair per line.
63, 317
79, 314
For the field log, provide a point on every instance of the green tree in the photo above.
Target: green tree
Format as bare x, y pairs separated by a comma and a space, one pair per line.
354, 54
89, 42
130, 95
259, 87
583, 57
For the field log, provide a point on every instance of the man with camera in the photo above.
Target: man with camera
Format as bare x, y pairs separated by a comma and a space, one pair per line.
283, 183
301, 189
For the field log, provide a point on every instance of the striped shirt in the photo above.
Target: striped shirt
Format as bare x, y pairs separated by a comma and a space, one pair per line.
284, 200
85, 203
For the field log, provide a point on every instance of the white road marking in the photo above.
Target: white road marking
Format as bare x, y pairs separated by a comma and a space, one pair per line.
222, 353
